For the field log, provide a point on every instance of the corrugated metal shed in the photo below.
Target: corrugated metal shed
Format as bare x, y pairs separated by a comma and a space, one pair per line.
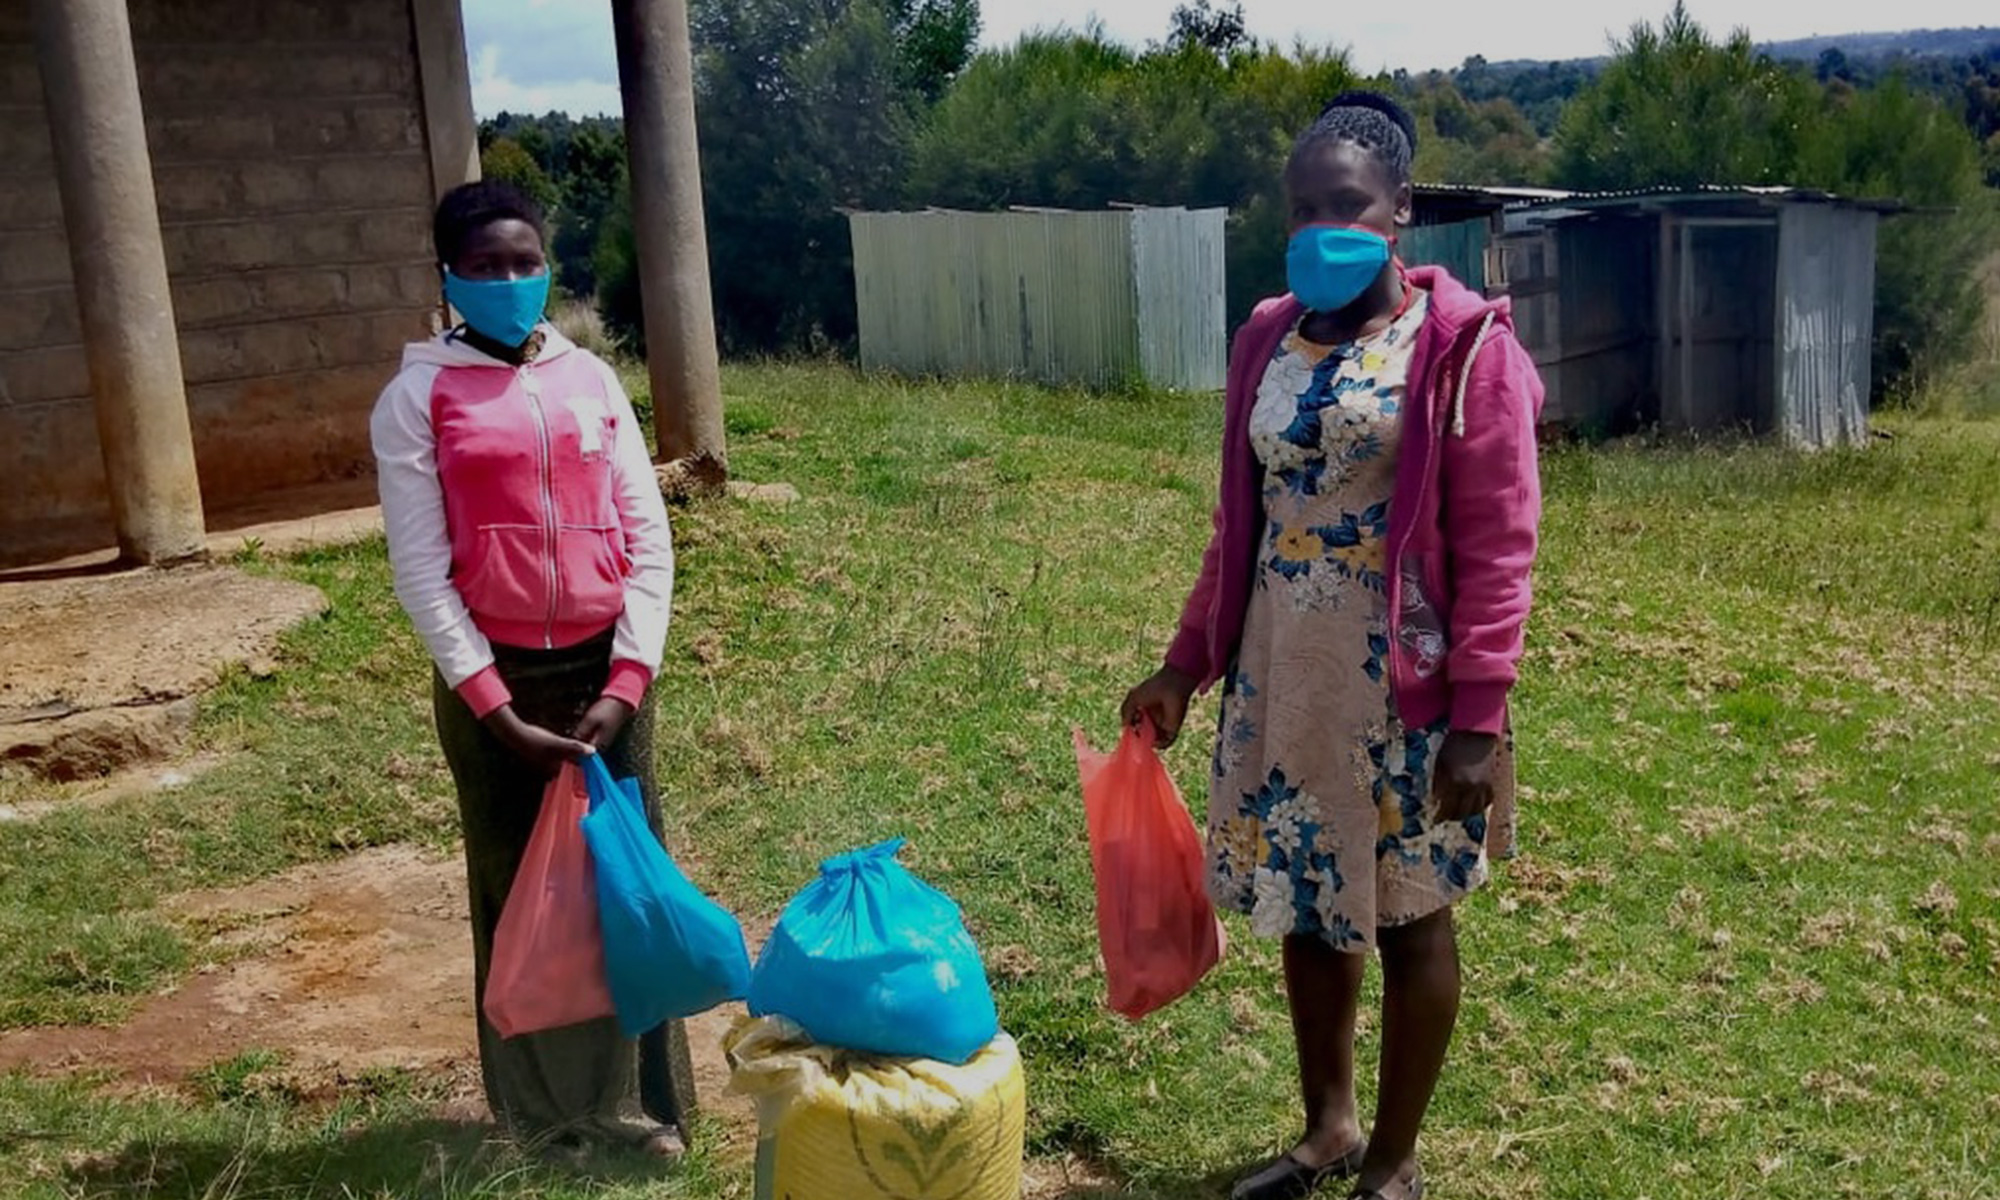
1095, 298
1826, 323
1450, 203
1697, 309
1459, 247
1521, 198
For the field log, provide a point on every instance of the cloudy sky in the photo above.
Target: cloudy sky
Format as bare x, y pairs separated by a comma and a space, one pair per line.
538, 55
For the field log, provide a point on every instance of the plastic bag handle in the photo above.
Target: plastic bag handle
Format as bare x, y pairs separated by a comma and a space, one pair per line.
855, 860
1144, 733
599, 773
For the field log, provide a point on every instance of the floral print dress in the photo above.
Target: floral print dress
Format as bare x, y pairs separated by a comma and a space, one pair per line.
1320, 818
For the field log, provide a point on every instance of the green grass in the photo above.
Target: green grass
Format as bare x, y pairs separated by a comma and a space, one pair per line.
381, 1140
1750, 947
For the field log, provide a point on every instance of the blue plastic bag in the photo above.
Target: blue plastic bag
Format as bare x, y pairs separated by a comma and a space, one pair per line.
669, 951
870, 958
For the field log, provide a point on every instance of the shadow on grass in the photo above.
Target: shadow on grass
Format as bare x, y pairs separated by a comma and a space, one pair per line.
411, 1160
1208, 1188
441, 1160
1102, 1180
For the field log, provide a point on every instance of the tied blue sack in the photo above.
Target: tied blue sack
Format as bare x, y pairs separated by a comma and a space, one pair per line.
870, 958
669, 951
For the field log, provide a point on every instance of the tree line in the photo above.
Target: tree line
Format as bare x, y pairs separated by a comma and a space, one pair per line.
810, 108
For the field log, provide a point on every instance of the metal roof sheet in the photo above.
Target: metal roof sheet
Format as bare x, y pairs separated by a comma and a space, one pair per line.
1707, 193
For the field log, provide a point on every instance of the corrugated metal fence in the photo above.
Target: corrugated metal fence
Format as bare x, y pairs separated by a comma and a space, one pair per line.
1178, 271
1101, 299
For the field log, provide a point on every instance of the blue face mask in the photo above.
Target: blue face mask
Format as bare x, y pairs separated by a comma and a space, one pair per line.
506, 310
1329, 266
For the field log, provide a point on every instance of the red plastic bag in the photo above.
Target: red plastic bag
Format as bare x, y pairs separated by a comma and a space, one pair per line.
548, 955
1155, 924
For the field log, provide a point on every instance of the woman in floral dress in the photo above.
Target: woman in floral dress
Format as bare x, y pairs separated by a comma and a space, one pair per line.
1362, 604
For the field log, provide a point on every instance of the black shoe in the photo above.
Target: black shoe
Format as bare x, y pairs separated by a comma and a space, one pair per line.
1286, 1178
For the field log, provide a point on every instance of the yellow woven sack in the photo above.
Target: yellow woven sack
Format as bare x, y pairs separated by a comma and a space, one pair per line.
834, 1125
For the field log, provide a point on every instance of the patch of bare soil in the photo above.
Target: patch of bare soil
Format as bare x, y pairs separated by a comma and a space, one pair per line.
96, 672
149, 780
341, 968
1069, 1178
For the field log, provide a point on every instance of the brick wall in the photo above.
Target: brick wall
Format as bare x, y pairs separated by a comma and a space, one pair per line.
294, 187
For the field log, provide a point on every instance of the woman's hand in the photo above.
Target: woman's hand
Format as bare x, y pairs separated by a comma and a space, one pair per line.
1462, 783
601, 725
540, 748
1163, 697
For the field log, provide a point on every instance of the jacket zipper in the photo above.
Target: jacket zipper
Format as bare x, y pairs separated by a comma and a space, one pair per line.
545, 458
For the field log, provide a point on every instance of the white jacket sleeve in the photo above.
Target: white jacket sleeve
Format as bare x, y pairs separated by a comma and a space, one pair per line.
641, 637
413, 516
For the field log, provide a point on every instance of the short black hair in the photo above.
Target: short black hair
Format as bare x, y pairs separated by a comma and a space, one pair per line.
1371, 121
471, 207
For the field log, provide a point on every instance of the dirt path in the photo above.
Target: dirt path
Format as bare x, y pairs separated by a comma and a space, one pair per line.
359, 965
341, 968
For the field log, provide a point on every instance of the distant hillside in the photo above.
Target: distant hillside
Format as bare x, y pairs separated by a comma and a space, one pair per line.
1858, 47
1936, 58
1911, 43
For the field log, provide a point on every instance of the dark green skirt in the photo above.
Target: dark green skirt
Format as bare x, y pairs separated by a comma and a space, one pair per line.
586, 1081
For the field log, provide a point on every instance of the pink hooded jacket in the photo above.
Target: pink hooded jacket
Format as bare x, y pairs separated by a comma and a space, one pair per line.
1462, 523
521, 509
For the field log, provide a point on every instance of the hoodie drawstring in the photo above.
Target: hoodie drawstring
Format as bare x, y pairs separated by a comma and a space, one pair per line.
1465, 376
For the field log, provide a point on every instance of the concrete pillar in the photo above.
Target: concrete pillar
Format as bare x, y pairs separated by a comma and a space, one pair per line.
656, 81
445, 78
91, 84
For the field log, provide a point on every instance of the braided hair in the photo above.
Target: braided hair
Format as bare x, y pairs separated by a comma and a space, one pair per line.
471, 207
1371, 121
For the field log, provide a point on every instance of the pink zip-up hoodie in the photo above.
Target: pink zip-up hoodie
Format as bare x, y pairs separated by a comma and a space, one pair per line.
521, 508
1462, 522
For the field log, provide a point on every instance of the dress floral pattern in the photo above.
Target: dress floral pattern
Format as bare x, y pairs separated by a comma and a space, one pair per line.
1320, 819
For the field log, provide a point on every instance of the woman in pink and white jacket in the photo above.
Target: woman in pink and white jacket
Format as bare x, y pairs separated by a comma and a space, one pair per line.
530, 547
1362, 603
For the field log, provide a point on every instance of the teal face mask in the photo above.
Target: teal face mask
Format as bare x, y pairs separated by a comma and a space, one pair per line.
1329, 266
506, 310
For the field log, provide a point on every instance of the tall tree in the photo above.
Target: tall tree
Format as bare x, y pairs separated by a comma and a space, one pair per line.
935, 39
1030, 124
592, 180
505, 160
808, 107
1483, 143
1677, 107
573, 168
1892, 141
1079, 121
1220, 31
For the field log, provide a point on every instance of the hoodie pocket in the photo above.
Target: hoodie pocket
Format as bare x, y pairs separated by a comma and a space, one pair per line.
591, 559
506, 579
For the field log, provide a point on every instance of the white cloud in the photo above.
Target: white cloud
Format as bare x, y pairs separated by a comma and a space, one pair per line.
494, 92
